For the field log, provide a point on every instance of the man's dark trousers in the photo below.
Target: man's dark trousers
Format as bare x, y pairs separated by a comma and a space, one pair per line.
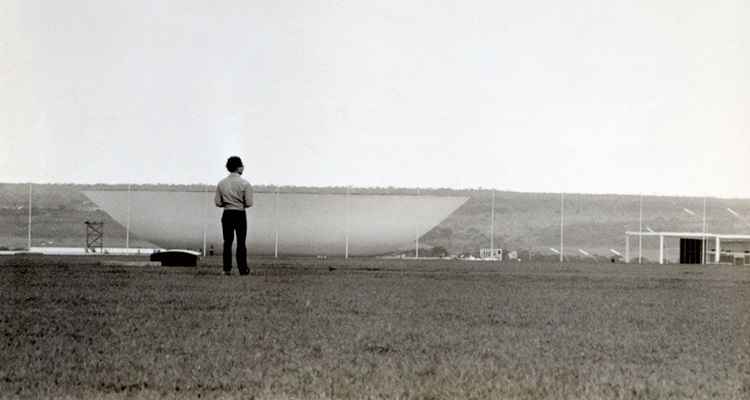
235, 221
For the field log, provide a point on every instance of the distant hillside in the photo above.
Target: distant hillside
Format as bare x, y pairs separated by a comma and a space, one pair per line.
59, 213
528, 222
595, 223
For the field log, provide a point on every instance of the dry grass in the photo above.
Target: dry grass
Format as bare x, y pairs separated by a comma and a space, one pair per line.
373, 329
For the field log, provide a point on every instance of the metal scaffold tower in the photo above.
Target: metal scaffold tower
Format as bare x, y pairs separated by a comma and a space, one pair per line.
94, 236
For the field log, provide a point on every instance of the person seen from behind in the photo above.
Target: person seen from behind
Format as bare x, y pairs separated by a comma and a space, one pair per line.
234, 194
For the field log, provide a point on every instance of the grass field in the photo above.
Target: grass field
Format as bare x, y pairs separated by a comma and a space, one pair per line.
301, 328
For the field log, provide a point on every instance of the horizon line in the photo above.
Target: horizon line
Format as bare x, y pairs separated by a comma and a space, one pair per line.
400, 188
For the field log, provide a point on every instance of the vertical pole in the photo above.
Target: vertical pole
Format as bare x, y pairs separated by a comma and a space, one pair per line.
717, 256
28, 243
703, 256
562, 224
207, 199
661, 249
127, 226
204, 240
276, 224
416, 235
346, 238
627, 249
640, 229
492, 225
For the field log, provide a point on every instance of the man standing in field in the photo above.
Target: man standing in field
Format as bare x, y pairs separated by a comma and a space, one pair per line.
234, 194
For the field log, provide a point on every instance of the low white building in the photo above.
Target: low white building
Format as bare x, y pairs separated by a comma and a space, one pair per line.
491, 254
700, 248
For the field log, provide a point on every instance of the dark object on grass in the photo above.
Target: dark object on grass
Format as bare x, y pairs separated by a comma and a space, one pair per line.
176, 258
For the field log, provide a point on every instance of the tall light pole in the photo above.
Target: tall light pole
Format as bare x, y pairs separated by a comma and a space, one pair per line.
276, 224
703, 255
416, 235
492, 225
28, 243
346, 236
205, 216
640, 229
562, 225
127, 227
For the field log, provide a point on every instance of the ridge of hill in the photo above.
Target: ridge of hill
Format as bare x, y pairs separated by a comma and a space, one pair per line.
528, 222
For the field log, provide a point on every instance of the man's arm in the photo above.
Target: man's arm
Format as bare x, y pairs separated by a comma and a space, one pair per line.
248, 196
217, 198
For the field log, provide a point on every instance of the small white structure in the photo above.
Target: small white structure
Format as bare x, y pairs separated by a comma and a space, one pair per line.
701, 248
491, 254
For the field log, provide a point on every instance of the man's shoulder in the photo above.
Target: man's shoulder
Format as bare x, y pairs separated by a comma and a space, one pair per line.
235, 179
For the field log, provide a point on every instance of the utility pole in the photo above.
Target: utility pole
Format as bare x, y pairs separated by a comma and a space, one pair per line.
205, 216
276, 224
703, 256
346, 249
562, 225
640, 229
127, 227
492, 225
28, 244
416, 236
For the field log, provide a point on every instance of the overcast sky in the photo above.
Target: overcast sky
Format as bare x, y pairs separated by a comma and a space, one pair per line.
545, 95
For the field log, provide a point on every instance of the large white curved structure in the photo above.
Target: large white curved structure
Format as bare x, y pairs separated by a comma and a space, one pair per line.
306, 224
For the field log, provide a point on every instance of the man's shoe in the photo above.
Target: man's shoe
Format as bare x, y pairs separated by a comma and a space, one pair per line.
245, 272
227, 273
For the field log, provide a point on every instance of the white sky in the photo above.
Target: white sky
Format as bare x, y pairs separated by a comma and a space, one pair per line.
544, 95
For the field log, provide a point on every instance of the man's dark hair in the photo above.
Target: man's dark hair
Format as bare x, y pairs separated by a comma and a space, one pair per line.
233, 163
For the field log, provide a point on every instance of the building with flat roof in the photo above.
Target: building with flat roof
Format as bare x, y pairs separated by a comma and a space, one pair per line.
491, 254
700, 248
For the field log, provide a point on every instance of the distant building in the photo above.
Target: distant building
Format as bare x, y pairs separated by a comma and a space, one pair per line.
700, 248
492, 254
